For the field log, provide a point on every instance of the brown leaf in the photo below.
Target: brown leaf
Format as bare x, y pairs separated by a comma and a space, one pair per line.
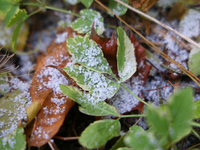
177, 12
45, 90
142, 67
50, 118
145, 4
108, 45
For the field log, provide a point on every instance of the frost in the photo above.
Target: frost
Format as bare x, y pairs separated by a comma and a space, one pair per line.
72, 2
117, 8
98, 85
126, 61
123, 100
60, 38
13, 108
84, 23
54, 76
166, 3
189, 26
87, 53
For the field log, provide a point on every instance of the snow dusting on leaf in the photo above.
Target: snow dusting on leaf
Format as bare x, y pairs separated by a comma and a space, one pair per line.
88, 102
117, 8
12, 110
84, 24
87, 53
189, 24
14, 141
126, 61
97, 84
194, 61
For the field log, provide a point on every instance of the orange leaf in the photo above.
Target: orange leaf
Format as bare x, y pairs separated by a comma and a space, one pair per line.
145, 4
45, 90
50, 118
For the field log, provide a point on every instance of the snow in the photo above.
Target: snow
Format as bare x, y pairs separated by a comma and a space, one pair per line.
166, 3
123, 100
99, 86
54, 76
60, 38
189, 25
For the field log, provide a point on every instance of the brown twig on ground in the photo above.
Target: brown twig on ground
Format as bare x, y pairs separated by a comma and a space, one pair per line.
173, 86
66, 138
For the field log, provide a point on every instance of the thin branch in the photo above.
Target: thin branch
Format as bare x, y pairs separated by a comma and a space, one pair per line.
160, 23
173, 85
66, 138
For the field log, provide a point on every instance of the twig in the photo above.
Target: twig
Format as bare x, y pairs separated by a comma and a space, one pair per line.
66, 138
173, 86
160, 23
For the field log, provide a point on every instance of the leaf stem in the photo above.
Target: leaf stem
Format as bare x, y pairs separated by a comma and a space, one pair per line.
195, 133
50, 8
31, 4
135, 115
62, 10
130, 91
195, 124
134, 95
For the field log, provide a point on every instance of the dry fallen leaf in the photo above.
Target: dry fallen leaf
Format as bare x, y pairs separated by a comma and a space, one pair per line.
145, 4
142, 67
45, 90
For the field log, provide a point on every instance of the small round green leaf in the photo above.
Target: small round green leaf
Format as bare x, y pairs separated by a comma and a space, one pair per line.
87, 3
99, 132
117, 8
194, 61
84, 24
180, 106
138, 139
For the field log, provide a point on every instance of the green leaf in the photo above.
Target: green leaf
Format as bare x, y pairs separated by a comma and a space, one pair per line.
15, 35
12, 110
89, 105
11, 13
124, 148
84, 24
14, 141
87, 53
197, 109
87, 3
119, 143
138, 139
157, 120
180, 106
5, 6
21, 14
117, 8
126, 61
194, 61
97, 84
99, 132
